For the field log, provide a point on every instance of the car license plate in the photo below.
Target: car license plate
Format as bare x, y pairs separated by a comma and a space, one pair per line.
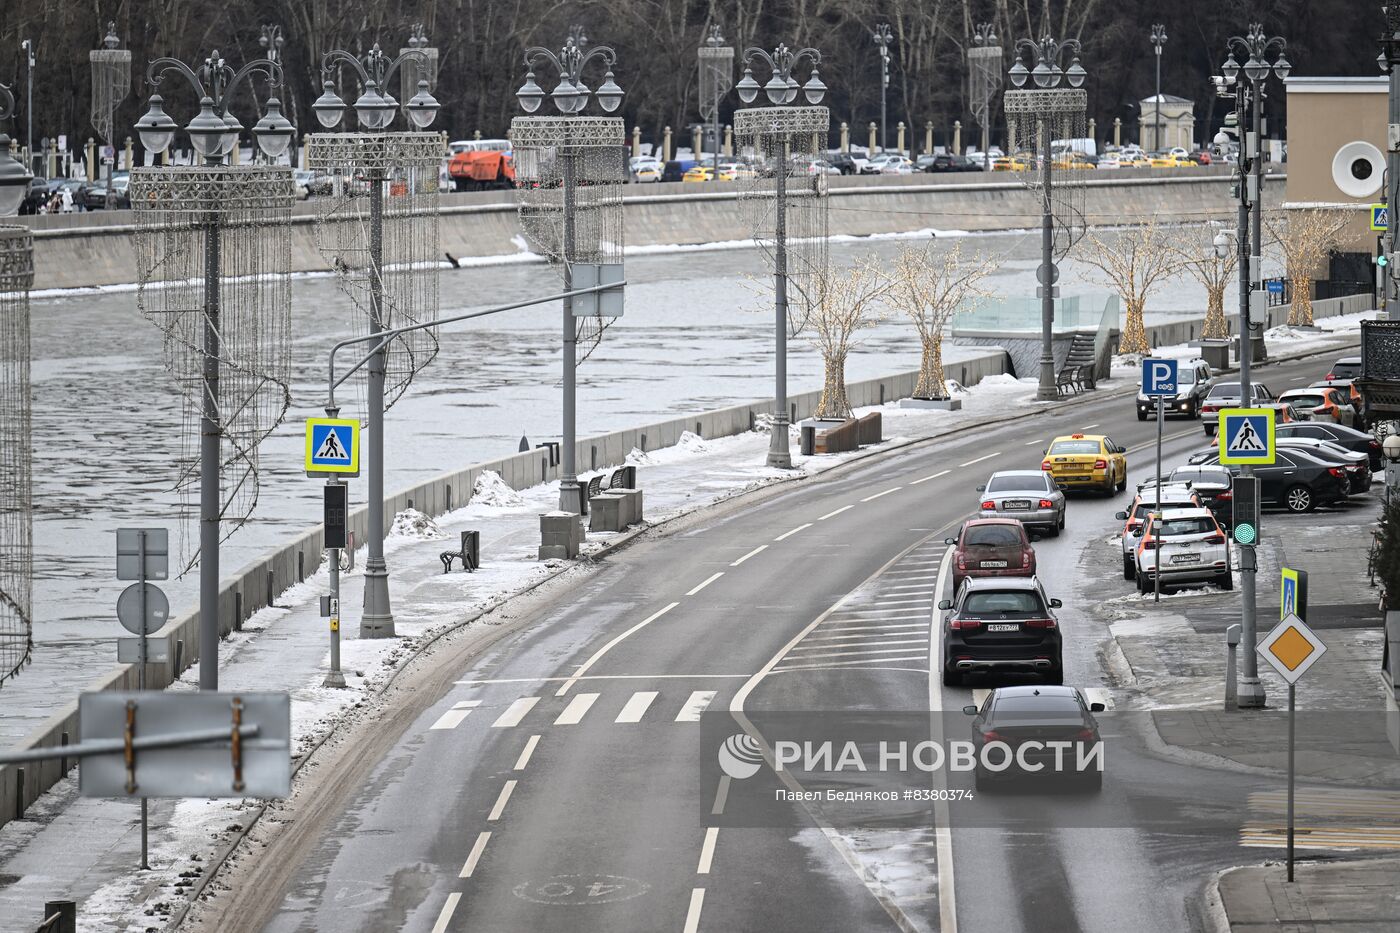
1016, 505
989, 564
1003, 627
1186, 558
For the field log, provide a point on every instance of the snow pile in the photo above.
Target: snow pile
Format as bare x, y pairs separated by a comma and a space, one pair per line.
691, 443
491, 490
411, 523
637, 457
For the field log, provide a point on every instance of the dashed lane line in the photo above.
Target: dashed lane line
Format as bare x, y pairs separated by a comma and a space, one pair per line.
694, 705
710, 579
760, 548
448, 909
514, 713
636, 707
502, 799
1088, 426
927, 478
837, 665
692, 916
854, 654
844, 508
1034, 442
583, 668
916, 626
576, 709
879, 494
707, 850
453, 717
850, 642
474, 856
995, 453
788, 534
529, 750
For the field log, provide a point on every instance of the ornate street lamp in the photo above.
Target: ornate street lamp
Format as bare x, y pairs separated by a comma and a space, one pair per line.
984, 72
716, 78
14, 177
111, 79
1159, 39
882, 36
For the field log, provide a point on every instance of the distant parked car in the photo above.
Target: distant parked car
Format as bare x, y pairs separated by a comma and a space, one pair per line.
1344, 437
675, 169
1321, 405
1348, 367
842, 161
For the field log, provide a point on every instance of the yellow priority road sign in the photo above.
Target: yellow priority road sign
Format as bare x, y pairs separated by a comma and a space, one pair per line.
332, 447
1291, 648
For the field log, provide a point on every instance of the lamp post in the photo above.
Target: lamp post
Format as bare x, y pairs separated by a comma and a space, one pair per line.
984, 71
1159, 39
1046, 103
883, 38
213, 134
375, 152
716, 78
1255, 46
27, 47
777, 126
1388, 60
111, 78
14, 177
572, 136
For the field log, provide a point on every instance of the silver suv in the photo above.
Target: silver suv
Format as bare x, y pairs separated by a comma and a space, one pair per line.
1192, 383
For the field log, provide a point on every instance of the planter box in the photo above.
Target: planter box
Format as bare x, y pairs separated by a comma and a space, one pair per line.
940, 404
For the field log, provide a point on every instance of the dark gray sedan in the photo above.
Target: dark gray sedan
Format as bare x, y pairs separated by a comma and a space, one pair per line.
1029, 496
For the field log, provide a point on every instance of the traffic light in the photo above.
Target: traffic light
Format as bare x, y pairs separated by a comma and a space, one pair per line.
1244, 509
1381, 259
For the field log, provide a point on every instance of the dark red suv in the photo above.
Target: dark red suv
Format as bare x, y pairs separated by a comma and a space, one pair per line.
991, 547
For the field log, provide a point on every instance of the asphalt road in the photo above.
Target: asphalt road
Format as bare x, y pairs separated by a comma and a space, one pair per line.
557, 783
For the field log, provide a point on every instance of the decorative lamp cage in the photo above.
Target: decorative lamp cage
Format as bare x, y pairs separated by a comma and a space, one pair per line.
716, 75
233, 222
16, 502
784, 143
1043, 124
984, 66
413, 68
405, 168
111, 80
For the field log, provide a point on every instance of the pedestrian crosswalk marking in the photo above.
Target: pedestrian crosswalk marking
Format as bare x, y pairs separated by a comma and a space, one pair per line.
454, 716
576, 709
515, 712
837, 665
636, 707
855, 642
697, 703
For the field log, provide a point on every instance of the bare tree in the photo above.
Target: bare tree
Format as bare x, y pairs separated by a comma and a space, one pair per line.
845, 302
1213, 271
1133, 262
1306, 237
928, 287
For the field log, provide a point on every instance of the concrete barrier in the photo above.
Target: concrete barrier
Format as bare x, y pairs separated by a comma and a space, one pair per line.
257, 584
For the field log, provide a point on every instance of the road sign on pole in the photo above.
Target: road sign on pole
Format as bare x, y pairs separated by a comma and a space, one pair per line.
143, 608
1380, 217
1158, 377
157, 550
1293, 594
332, 447
1246, 436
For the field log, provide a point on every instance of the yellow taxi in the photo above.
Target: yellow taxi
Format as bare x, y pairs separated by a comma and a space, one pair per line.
698, 173
1132, 161
1017, 163
1171, 162
1087, 461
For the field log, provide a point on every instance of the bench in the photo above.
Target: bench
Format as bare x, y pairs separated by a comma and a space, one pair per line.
469, 554
1078, 372
622, 478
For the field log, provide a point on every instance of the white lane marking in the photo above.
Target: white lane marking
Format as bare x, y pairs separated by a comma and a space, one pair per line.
1030, 443
837, 665
858, 614
852, 642
906, 599
453, 717
447, 910
506, 790
905, 586
692, 916
917, 626
636, 707
927, 478
515, 712
879, 494
788, 534
1088, 426
942, 827
576, 709
695, 704
995, 453
555, 680
844, 508
711, 579
853, 654
525, 754
583, 668
707, 851
474, 855
761, 547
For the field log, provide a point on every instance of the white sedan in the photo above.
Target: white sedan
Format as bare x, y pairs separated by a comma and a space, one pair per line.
896, 165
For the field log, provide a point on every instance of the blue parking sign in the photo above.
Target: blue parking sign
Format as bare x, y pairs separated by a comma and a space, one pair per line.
1158, 377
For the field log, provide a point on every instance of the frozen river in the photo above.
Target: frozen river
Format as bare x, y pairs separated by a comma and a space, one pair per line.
695, 336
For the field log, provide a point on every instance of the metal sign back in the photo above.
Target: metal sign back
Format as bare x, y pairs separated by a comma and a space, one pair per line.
129, 553
157, 650
256, 766
129, 609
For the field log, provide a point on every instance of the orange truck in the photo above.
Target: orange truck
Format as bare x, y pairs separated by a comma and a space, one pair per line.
479, 164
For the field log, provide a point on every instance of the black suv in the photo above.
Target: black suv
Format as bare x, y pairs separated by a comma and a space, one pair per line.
1001, 623
841, 161
1213, 486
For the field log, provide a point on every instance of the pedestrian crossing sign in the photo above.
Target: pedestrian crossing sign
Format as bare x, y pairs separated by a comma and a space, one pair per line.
1380, 218
1246, 436
332, 447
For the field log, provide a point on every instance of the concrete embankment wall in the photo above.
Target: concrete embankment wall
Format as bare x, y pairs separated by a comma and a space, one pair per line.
97, 248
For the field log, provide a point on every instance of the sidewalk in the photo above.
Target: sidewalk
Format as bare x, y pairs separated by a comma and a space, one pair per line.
1325, 897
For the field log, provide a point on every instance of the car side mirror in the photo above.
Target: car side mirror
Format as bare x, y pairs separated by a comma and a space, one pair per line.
945, 604
969, 711
953, 541
1054, 604
1097, 707
1121, 516
1122, 449
981, 488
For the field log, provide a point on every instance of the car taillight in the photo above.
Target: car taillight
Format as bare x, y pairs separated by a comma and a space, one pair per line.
1150, 544
1227, 495
1045, 465
1027, 557
1040, 623
1336, 471
1330, 377
1374, 445
989, 504
991, 735
964, 624
1100, 464
1046, 504
1215, 539
962, 564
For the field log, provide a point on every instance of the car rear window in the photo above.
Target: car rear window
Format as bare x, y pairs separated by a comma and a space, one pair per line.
992, 536
1038, 704
1075, 447
1017, 483
980, 603
1306, 401
1186, 526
